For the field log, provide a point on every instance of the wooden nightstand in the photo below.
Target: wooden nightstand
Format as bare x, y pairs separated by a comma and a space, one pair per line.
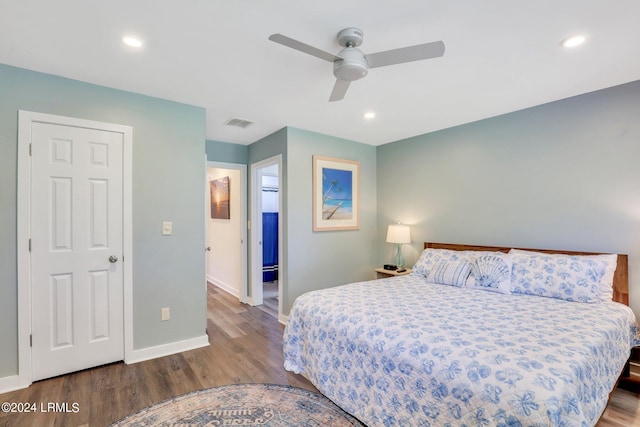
382, 273
630, 379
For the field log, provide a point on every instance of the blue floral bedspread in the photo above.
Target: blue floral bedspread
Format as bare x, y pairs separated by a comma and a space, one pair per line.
405, 352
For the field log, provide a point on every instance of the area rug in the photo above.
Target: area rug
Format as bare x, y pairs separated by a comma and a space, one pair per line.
244, 405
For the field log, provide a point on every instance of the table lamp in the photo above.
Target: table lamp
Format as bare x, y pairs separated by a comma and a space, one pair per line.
398, 234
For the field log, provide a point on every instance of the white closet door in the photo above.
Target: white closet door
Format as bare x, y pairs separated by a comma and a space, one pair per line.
76, 255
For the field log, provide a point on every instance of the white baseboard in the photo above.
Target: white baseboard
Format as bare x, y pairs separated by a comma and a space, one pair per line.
15, 382
224, 286
167, 349
283, 319
12, 383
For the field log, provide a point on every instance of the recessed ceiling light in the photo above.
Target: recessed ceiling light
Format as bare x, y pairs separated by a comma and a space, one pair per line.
573, 41
131, 41
370, 115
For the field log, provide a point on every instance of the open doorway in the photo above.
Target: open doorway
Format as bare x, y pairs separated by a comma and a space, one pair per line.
266, 236
270, 215
226, 258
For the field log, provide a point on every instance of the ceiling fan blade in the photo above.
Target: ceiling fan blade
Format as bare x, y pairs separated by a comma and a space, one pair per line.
303, 47
339, 90
406, 54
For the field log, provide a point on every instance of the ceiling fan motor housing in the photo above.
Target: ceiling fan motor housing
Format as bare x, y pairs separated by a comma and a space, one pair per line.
352, 66
350, 37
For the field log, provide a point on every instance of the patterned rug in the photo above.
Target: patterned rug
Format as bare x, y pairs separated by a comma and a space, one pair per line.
244, 405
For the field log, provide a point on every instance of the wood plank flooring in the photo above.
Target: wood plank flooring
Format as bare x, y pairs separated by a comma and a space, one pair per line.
246, 347
270, 298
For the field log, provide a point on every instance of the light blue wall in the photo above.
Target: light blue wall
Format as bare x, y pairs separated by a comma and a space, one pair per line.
563, 175
168, 185
316, 260
323, 259
265, 148
270, 146
226, 152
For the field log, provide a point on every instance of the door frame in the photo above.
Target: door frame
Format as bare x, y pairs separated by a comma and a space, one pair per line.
25, 119
256, 232
242, 168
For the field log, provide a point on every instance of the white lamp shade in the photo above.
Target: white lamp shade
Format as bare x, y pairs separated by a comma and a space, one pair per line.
398, 233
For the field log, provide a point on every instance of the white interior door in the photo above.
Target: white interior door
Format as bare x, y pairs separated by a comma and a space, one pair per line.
76, 220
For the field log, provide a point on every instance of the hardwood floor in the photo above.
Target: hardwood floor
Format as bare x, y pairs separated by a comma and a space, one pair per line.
270, 298
246, 347
623, 410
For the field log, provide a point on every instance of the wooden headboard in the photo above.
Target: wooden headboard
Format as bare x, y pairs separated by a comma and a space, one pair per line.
620, 278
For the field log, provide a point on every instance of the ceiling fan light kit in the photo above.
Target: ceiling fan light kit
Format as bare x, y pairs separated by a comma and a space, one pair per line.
352, 64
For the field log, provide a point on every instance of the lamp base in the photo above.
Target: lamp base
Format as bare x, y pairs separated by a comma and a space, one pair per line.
399, 260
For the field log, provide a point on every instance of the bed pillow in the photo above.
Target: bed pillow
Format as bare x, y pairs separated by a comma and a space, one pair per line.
490, 271
430, 257
453, 273
583, 278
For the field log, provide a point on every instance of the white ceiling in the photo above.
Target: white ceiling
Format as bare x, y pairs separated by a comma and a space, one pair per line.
501, 56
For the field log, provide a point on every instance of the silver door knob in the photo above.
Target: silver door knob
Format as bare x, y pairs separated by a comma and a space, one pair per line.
113, 259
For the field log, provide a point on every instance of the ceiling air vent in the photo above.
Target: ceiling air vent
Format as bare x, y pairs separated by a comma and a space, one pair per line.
239, 123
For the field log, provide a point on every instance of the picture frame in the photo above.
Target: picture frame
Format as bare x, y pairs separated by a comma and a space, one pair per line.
336, 194
220, 198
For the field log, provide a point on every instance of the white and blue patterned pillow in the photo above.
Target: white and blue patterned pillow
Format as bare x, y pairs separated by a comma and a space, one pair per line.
491, 271
453, 273
430, 257
582, 278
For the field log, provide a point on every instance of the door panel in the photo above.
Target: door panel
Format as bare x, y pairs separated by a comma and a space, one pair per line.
99, 206
76, 225
100, 318
61, 308
61, 206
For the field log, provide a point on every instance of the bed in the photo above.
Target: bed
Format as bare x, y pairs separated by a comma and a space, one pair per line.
442, 346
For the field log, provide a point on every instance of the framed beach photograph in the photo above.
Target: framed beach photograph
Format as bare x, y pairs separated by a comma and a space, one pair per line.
219, 189
336, 194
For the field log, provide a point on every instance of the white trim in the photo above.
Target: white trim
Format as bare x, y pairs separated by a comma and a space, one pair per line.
25, 118
283, 319
254, 290
281, 270
167, 349
24, 259
127, 241
12, 383
224, 286
241, 294
256, 232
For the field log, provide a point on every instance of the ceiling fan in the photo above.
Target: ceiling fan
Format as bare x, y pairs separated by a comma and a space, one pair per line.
352, 64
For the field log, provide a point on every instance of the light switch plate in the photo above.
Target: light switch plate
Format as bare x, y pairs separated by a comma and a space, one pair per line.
167, 228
